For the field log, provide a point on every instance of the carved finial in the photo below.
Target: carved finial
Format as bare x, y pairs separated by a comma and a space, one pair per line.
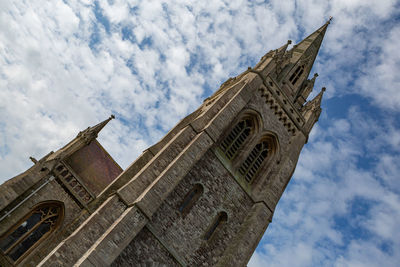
313, 78
33, 160
289, 42
330, 19
323, 89
91, 132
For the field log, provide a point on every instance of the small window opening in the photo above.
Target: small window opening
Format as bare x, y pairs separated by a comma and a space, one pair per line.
191, 197
296, 74
253, 162
222, 217
36, 226
231, 144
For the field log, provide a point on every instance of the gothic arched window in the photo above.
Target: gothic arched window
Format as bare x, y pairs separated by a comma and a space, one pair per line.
221, 218
296, 74
191, 197
38, 224
231, 144
250, 166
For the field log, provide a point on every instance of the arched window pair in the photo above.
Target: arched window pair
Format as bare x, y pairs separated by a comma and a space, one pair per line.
234, 144
38, 224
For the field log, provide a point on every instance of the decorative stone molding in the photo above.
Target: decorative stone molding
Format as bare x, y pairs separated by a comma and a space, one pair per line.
73, 183
281, 114
282, 107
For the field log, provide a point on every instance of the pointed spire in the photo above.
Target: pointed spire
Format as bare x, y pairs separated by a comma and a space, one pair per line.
280, 56
305, 91
308, 48
314, 105
300, 63
91, 132
312, 110
309, 86
281, 50
316, 102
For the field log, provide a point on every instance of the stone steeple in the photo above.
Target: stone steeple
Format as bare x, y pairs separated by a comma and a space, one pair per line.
292, 67
304, 54
308, 48
203, 195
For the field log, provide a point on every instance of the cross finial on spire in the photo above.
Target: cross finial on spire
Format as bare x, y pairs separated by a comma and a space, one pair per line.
330, 19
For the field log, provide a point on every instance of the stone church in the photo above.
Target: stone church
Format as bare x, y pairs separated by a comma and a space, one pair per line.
202, 196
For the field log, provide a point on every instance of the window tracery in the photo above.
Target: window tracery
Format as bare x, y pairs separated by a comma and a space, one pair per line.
32, 229
248, 149
248, 169
236, 138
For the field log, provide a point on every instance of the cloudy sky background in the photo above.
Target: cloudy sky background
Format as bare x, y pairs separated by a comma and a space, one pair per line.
65, 65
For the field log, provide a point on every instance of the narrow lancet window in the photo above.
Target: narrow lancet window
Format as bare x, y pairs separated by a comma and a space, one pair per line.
222, 217
231, 144
32, 229
191, 197
296, 74
253, 162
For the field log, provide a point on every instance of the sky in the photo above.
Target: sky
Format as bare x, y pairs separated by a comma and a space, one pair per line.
66, 65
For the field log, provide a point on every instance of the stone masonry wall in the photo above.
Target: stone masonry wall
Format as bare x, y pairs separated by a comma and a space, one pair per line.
52, 191
144, 250
185, 234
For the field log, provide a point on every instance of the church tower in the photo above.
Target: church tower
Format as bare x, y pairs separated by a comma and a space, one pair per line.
203, 195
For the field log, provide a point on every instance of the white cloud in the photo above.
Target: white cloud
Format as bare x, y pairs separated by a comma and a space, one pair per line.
380, 79
62, 70
351, 208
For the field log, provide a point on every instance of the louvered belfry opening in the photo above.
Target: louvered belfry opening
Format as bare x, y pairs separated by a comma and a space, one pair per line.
231, 144
253, 162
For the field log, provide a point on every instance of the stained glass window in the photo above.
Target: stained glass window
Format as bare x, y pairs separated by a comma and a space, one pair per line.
37, 225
